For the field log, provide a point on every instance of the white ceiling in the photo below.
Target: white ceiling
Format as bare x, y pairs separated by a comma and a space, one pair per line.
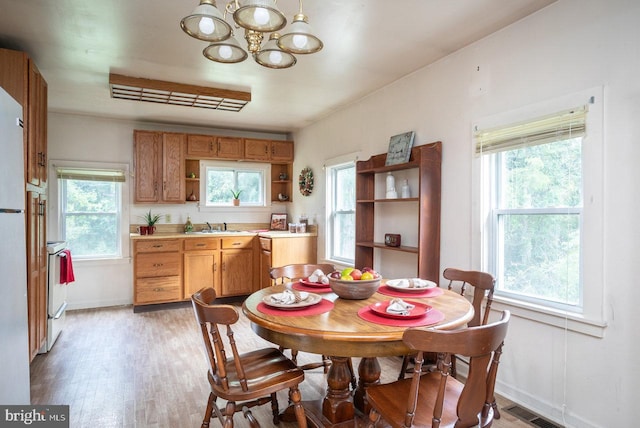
367, 45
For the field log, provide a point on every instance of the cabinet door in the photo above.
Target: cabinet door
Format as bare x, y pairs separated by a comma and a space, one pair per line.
265, 267
201, 146
282, 151
147, 152
201, 269
256, 149
173, 168
36, 271
237, 272
230, 148
36, 127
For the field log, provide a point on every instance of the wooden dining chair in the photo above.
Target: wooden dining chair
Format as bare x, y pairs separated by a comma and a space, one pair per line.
243, 380
436, 399
295, 272
483, 286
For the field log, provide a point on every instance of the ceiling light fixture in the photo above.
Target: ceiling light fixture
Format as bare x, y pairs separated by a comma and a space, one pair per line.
256, 17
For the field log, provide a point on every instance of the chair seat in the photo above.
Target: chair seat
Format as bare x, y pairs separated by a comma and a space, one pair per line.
385, 399
266, 370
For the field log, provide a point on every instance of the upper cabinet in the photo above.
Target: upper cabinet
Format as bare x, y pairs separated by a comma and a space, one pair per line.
201, 146
230, 148
268, 150
20, 77
159, 166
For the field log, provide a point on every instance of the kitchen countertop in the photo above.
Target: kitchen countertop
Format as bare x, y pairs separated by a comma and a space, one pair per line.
264, 234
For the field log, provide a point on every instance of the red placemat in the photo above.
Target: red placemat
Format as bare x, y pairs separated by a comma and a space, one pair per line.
301, 287
434, 316
429, 292
322, 307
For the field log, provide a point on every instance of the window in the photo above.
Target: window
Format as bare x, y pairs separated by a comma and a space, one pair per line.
91, 211
341, 212
221, 180
534, 217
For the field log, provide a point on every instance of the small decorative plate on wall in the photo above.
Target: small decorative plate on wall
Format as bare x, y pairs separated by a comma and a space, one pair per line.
306, 181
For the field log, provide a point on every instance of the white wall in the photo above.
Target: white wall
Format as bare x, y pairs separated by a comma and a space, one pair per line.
92, 139
570, 46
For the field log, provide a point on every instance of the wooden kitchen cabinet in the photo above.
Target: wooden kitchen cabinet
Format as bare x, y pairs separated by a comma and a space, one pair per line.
20, 77
37, 258
157, 271
201, 146
283, 251
268, 150
426, 160
230, 148
159, 167
201, 265
238, 274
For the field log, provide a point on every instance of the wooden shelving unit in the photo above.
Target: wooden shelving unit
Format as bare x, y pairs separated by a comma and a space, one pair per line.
427, 160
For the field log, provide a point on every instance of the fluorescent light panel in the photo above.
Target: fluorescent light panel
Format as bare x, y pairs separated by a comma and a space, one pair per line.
161, 92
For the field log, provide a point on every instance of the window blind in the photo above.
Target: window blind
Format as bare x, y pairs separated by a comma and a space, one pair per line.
555, 127
112, 175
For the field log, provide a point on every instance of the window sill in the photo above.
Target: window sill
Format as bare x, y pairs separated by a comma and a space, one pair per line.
102, 262
555, 318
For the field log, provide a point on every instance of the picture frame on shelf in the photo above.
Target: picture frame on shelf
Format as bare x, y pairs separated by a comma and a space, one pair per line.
400, 148
279, 221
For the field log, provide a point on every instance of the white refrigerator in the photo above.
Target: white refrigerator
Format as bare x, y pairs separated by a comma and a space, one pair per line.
14, 333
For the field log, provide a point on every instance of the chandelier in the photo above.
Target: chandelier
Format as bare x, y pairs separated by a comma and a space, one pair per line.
256, 18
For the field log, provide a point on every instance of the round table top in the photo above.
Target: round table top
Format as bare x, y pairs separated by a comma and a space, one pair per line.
341, 332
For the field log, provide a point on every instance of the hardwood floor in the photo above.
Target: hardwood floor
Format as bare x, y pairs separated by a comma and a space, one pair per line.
117, 368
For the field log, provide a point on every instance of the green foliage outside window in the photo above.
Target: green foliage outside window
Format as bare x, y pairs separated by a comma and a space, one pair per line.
90, 211
538, 219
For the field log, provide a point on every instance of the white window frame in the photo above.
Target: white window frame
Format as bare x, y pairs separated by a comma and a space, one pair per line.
592, 319
55, 218
265, 170
331, 166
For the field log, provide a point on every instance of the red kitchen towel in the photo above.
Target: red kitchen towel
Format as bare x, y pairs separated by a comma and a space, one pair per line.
66, 267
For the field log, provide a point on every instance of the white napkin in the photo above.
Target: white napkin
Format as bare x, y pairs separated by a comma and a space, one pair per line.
318, 277
399, 307
289, 297
412, 283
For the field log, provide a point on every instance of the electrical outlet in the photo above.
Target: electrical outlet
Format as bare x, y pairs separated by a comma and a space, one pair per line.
167, 218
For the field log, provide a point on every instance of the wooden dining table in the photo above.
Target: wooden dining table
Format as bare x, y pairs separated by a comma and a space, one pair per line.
340, 332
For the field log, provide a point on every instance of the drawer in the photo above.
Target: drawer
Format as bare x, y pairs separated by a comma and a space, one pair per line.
265, 244
201, 244
237, 242
150, 290
160, 264
157, 245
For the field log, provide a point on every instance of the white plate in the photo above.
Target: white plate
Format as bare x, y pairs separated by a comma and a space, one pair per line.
311, 299
403, 284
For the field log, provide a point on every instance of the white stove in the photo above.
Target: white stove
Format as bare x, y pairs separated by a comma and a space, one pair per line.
56, 294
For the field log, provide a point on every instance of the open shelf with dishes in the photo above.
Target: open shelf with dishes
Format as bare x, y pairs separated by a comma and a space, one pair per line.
192, 180
425, 165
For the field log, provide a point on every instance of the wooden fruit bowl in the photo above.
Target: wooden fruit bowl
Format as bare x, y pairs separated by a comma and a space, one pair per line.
354, 290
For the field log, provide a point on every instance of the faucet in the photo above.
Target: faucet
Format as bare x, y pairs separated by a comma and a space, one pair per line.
225, 226
209, 226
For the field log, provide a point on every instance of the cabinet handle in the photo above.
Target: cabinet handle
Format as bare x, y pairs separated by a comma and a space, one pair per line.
237, 243
201, 245
273, 150
158, 289
211, 146
158, 246
215, 266
266, 150
158, 264
224, 266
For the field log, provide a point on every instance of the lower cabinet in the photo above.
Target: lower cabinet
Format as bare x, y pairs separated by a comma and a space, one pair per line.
201, 265
285, 251
171, 270
238, 274
157, 271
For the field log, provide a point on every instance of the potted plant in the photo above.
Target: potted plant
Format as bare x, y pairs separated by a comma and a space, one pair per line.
236, 197
151, 220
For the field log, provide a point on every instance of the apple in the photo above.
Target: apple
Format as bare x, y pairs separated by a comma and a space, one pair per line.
346, 278
346, 271
367, 269
356, 274
366, 276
